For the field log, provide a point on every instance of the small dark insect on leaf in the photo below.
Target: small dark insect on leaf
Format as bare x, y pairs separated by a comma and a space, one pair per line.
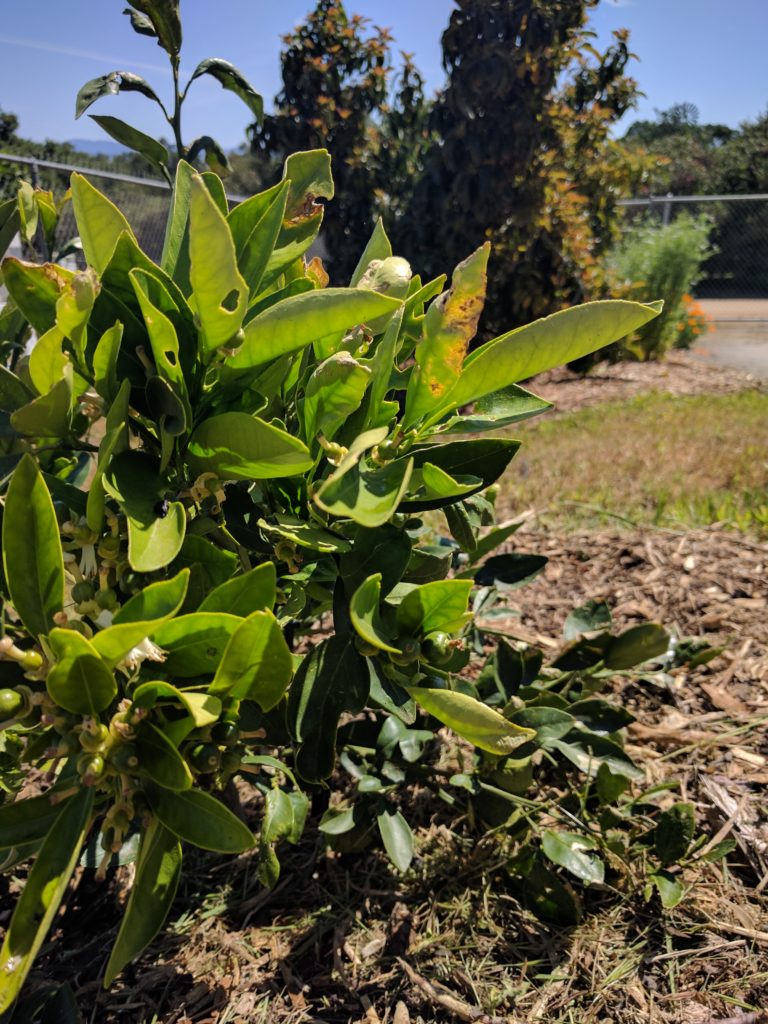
161, 508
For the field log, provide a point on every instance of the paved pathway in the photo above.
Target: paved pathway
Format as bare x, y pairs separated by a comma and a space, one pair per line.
740, 337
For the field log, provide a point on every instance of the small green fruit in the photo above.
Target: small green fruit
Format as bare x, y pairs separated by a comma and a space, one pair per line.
204, 757
437, 649
409, 652
225, 734
82, 591
11, 703
367, 650
124, 757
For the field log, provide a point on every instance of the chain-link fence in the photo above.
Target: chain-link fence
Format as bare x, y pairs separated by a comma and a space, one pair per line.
735, 281
734, 286
144, 201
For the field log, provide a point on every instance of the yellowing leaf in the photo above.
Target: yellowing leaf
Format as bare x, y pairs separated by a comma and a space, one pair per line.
482, 726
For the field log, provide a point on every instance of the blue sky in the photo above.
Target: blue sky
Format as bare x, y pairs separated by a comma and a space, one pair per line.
702, 51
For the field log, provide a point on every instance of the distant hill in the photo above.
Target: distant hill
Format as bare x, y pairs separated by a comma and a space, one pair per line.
97, 147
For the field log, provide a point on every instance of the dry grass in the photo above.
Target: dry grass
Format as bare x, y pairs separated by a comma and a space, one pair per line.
656, 459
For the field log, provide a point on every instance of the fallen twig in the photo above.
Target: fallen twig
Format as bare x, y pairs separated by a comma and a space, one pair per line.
447, 1001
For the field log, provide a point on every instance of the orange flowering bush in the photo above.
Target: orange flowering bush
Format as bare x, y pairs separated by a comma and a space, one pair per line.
692, 324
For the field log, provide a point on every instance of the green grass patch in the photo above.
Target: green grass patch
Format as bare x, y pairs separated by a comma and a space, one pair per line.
654, 460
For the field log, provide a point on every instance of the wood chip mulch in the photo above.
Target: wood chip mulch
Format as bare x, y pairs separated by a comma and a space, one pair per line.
706, 583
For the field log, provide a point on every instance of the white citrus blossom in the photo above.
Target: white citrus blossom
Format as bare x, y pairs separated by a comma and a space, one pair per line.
144, 651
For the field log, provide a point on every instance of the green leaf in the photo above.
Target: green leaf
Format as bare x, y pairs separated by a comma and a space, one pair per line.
200, 819
158, 870
162, 337
277, 823
111, 442
336, 823
164, 18
369, 496
256, 664
228, 76
255, 225
299, 320
111, 85
379, 247
73, 310
47, 361
141, 616
428, 563
50, 414
574, 852
219, 293
601, 717
32, 555
154, 540
237, 446
673, 834
449, 326
334, 391
25, 821
589, 617
80, 681
42, 894
549, 723
385, 550
484, 458
159, 759
382, 366
304, 535
218, 164
435, 607
364, 612
175, 255
481, 725
14, 393
636, 645
209, 565
99, 222
588, 751
254, 591
493, 539
203, 708
397, 837
9, 223
35, 289
609, 786
551, 341
514, 569
196, 642
500, 409
671, 890
28, 212
332, 678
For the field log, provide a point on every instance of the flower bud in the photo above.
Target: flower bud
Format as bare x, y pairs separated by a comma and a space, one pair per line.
93, 739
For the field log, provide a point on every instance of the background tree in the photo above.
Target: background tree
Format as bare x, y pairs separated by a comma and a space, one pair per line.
684, 152
403, 139
334, 81
522, 154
